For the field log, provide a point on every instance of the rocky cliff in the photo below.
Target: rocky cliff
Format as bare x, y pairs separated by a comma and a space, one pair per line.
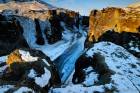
25, 23
118, 19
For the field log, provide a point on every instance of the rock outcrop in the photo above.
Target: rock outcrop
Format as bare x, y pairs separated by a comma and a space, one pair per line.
118, 19
31, 69
11, 35
46, 20
128, 40
105, 68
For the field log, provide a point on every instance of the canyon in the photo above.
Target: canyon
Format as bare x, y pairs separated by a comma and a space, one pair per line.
46, 49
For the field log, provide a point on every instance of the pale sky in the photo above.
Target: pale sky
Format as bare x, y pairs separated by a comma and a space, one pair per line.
85, 6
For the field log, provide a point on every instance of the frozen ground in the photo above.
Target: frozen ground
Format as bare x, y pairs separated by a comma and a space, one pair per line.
125, 66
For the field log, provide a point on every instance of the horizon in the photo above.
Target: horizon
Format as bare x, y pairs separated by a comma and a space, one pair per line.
84, 8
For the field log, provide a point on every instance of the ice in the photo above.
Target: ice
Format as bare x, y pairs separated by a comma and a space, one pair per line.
24, 90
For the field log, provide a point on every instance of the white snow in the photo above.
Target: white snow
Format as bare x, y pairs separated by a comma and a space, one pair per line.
25, 55
46, 62
43, 80
135, 49
67, 60
3, 68
133, 46
24, 90
78, 89
3, 59
53, 51
124, 64
91, 77
5, 88
32, 73
125, 79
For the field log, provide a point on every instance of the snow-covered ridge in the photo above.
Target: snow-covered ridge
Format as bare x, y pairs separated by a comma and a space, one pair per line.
31, 9
125, 76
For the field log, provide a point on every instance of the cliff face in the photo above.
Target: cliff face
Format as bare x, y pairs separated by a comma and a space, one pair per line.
19, 19
117, 19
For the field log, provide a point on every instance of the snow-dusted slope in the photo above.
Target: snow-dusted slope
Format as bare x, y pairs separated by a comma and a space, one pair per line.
125, 68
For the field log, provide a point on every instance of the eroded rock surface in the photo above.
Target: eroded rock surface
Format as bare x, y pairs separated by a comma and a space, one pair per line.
119, 19
31, 69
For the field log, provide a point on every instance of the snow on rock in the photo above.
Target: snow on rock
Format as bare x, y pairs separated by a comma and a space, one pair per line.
32, 73
46, 62
24, 90
134, 46
125, 76
3, 59
78, 89
43, 80
53, 50
125, 65
91, 77
3, 68
5, 88
25, 55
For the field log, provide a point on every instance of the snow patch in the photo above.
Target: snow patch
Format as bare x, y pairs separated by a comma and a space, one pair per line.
3, 59
24, 90
124, 64
32, 73
25, 55
43, 80
78, 89
46, 62
3, 68
5, 88
91, 77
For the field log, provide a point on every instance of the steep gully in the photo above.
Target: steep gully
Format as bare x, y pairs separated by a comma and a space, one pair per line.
66, 62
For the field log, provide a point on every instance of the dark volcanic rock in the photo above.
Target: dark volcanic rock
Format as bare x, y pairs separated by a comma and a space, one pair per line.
85, 21
36, 72
56, 30
10, 34
39, 37
128, 40
97, 62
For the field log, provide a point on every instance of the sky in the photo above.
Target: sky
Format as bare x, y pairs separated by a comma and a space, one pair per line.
85, 6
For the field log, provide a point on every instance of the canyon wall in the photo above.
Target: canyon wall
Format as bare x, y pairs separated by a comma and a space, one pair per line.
112, 18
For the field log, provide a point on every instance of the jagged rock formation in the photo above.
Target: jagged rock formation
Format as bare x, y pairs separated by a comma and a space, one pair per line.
128, 40
44, 19
34, 60
31, 69
10, 35
119, 19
